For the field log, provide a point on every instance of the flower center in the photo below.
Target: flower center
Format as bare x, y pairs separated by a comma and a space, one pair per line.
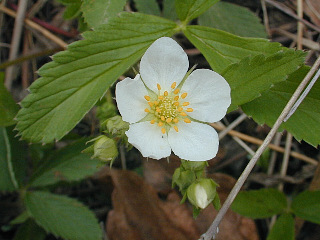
168, 109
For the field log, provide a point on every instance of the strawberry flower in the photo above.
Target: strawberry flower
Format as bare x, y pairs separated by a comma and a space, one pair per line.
168, 109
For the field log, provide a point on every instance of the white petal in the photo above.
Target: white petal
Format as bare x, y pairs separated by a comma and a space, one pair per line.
164, 62
194, 141
130, 99
149, 140
208, 94
202, 197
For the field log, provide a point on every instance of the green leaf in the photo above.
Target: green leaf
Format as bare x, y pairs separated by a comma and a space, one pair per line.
252, 76
67, 164
283, 228
62, 216
233, 19
97, 12
72, 8
30, 231
169, 10
190, 9
12, 161
261, 203
78, 77
304, 124
222, 49
307, 206
148, 7
8, 107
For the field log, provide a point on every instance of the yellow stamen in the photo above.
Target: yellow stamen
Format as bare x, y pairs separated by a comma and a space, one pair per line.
183, 95
187, 120
169, 120
176, 104
163, 130
175, 120
176, 98
165, 93
185, 104
158, 86
176, 128
173, 85
183, 114
150, 104
147, 98
162, 118
160, 124
156, 103
158, 109
147, 110
160, 97
180, 109
176, 91
189, 109
152, 121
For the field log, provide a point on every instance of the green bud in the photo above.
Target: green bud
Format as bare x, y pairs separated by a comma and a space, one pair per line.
105, 148
183, 179
194, 165
202, 192
116, 126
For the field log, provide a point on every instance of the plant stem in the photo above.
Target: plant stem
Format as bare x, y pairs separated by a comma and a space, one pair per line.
212, 231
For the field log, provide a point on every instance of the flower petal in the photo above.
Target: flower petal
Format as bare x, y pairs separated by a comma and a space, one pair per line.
194, 141
164, 62
149, 140
208, 94
130, 99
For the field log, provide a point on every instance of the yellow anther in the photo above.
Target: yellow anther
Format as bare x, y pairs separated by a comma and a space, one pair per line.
176, 91
189, 109
176, 104
187, 120
185, 104
165, 93
183, 114
163, 130
176, 98
169, 120
176, 128
162, 118
147, 110
160, 97
180, 109
152, 121
156, 103
160, 124
183, 95
158, 86
150, 104
158, 109
175, 120
173, 85
147, 98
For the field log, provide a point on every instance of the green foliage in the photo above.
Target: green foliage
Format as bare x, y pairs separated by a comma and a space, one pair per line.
252, 76
62, 216
67, 164
169, 10
8, 107
304, 123
307, 206
29, 230
233, 19
190, 9
78, 77
97, 12
222, 49
283, 228
148, 7
72, 8
261, 203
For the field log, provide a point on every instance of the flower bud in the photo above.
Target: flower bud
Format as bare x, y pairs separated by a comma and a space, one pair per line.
183, 179
105, 148
116, 126
202, 192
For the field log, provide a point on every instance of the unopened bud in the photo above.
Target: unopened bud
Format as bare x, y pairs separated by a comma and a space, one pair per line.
105, 148
116, 126
202, 192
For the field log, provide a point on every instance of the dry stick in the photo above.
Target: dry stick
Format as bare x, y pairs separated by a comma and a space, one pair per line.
258, 141
15, 43
273, 158
300, 24
37, 27
265, 17
285, 161
231, 126
292, 14
212, 231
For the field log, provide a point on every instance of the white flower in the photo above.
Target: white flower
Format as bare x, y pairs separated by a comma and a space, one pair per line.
167, 112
